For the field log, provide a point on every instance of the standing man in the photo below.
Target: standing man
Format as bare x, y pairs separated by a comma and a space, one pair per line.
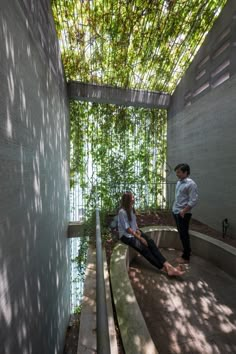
186, 197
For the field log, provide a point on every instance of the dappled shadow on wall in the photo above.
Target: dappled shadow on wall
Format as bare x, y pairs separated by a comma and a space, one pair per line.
34, 259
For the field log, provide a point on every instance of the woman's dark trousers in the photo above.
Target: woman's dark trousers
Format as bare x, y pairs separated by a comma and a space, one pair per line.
151, 253
183, 226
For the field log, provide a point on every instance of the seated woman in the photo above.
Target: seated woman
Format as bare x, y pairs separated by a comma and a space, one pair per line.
135, 238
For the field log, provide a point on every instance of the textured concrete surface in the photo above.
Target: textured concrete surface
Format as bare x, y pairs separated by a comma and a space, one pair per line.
75, 229
201, 127
87, 332
194, 314
34, 182
133, 329
217, 252
87, 342
116, 95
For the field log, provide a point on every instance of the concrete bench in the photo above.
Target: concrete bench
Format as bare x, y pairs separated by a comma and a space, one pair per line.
217, 252
135, 335
134, 332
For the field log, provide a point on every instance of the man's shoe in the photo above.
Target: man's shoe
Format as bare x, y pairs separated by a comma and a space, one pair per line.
181, 260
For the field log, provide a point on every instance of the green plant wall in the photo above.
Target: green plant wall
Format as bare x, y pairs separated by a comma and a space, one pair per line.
115, 149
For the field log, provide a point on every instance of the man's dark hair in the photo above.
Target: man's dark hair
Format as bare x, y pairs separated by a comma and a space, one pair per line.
184, 167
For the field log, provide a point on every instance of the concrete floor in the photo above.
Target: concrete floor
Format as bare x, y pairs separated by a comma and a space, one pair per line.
192, 314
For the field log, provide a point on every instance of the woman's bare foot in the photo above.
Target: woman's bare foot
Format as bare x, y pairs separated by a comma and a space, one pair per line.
175, 272
181, 267
172, 271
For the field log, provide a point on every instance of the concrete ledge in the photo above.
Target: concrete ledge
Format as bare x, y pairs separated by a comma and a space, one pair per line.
116, 95
87, 343
87, 333
215, 251
75, 229
164, 236
134, 333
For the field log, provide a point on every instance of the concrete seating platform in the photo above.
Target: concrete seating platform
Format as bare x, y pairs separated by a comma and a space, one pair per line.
192, 314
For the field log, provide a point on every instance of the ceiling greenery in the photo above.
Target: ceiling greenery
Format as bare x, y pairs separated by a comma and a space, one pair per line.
139, 44
142, 44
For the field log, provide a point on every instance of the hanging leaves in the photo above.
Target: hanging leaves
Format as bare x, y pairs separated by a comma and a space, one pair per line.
116, 148
141, 44
137, 44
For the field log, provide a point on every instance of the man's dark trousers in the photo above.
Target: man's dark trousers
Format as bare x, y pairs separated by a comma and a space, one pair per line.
183, 226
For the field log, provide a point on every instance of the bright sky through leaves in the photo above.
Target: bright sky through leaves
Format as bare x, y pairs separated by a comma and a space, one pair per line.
142, 44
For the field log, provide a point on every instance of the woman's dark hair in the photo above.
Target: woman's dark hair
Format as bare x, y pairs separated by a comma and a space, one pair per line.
126, 204
184, 167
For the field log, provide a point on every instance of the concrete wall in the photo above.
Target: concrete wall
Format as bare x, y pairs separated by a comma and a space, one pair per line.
34, 182
202, 124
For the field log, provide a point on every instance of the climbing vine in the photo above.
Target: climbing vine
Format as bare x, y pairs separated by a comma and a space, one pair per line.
117, 148
140, 44
144, 44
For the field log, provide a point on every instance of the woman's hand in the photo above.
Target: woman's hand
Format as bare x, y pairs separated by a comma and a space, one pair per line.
140, 238
144, 242
137, 234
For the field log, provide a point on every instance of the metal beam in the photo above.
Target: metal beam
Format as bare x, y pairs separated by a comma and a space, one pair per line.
103, 340
119, 96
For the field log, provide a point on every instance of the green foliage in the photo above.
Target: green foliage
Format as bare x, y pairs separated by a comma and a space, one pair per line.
78, 309
138, 44
81, 259
114, 149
